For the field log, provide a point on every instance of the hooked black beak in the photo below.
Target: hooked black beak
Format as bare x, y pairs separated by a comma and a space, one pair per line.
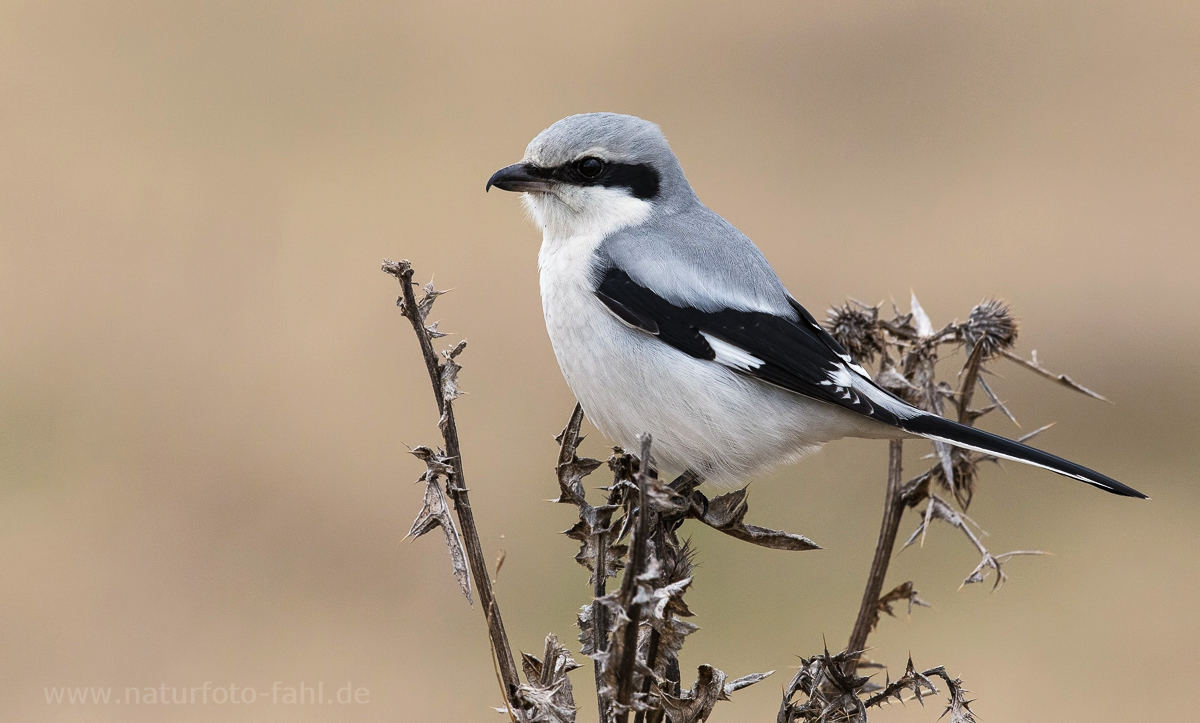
520, 177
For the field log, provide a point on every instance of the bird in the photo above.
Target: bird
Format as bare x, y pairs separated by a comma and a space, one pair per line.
668, 321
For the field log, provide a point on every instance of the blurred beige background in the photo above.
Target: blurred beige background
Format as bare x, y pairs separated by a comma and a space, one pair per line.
206, 392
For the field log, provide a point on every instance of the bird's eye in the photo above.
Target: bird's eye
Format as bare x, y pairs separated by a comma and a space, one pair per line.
590, 167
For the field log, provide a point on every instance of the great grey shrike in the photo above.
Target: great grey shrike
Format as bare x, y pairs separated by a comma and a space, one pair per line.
666, 319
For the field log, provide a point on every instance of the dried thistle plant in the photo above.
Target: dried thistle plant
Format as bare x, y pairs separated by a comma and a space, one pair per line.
634, 634
908, 367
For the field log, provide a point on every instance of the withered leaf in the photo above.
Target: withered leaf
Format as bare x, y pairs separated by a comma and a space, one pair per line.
920, 319
548, 696
570, 479
664, 606
664, 500
554, 704
586, 622
425, 303
436, 463
725, 513
614, 555
673, 634
450, 369
435, 513
727, 510
532, 667
666, 600
746, 681
433, 332
571, 469
894, 382
904, 591
695, 705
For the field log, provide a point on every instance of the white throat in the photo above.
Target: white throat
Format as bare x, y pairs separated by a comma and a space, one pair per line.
584, 213
574, 222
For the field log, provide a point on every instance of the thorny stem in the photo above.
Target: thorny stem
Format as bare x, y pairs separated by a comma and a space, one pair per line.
651, 655
600, 612
893, 508
967, 388
457, 487
660, 543
570, 441
600, 621
637, 560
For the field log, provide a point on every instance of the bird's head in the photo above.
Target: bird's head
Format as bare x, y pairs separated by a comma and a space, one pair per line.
596, 173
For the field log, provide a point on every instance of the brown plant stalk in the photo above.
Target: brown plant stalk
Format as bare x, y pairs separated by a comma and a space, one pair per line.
889, 528
629, 585
457, 484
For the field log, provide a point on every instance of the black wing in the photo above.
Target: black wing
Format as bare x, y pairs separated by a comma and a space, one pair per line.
798, 355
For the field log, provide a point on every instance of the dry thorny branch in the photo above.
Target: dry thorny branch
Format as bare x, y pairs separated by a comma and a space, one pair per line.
634, 634
834, 693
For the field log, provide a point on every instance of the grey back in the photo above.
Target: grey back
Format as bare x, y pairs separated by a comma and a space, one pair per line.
696, 258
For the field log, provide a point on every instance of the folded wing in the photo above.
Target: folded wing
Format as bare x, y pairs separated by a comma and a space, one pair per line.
798, 354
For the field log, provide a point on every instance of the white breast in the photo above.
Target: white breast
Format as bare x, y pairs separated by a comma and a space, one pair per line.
703, 416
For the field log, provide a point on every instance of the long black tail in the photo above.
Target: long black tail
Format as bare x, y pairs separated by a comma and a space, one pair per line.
937, 428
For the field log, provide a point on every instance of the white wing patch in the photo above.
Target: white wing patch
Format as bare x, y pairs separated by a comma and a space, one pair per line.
731, 356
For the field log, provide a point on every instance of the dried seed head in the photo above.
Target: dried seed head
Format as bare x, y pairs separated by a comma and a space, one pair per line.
856, 327
991, 325
678, 561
